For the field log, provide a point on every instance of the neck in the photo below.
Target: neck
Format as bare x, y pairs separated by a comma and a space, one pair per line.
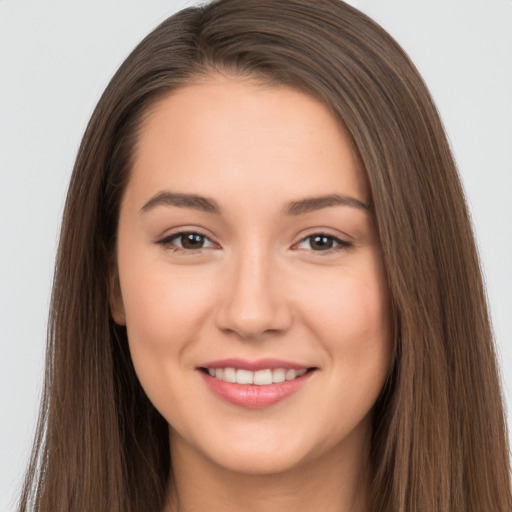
335, 482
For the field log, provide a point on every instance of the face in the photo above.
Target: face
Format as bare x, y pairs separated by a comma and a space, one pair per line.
250, 278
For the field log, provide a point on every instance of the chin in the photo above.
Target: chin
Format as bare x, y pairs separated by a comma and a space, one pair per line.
263, 453
260, 462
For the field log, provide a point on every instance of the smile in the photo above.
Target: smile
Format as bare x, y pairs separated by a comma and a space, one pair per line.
257, 384
259, 378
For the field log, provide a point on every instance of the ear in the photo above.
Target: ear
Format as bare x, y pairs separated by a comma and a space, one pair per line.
116, 299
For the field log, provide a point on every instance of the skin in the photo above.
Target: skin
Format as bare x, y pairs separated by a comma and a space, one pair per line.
256, 289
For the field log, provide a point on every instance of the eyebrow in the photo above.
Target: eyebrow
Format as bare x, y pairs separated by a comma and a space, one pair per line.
311, 204
208, 205
193, 201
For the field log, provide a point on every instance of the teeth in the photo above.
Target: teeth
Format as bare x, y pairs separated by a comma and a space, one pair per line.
291, 374
230, 375
244, 377
259, 378
278, 375
263, 377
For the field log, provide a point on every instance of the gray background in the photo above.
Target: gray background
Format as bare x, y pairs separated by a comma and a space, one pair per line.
56, 57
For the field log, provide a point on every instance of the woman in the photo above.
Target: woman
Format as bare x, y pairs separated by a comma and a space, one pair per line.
267, 292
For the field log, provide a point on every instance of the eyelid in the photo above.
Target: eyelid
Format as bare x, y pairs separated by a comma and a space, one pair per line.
340, 240
167, 241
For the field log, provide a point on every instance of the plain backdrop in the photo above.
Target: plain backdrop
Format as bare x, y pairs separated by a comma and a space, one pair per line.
56, 57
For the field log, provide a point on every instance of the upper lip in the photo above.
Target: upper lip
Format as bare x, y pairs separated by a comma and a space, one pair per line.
255, 365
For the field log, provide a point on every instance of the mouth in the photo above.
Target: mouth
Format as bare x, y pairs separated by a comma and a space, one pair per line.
255, 385
263, 377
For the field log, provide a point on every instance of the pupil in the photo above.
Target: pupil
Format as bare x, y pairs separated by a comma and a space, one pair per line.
192, 241
321, 242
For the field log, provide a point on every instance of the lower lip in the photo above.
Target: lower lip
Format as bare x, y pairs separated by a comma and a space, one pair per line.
252, 396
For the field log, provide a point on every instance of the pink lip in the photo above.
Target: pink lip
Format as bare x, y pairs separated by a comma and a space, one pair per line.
260, 364
252, 396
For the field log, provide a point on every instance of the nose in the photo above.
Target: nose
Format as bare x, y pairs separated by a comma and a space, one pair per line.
253, 304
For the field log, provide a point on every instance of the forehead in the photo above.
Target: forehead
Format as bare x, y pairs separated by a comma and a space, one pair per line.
231, 137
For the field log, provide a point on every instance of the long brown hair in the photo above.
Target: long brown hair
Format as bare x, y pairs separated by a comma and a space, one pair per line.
439, 440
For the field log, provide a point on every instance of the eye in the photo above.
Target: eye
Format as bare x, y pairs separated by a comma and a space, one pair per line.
187, 241
322, 242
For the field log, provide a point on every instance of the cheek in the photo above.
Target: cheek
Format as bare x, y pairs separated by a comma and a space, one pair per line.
350, 314
164, 310
353, 324
355, 304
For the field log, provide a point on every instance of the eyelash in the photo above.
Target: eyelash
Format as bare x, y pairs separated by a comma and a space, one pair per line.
169, 243
341, 245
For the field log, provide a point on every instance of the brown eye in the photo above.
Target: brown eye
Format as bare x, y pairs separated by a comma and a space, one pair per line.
186, 241
321, 242
192, 240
